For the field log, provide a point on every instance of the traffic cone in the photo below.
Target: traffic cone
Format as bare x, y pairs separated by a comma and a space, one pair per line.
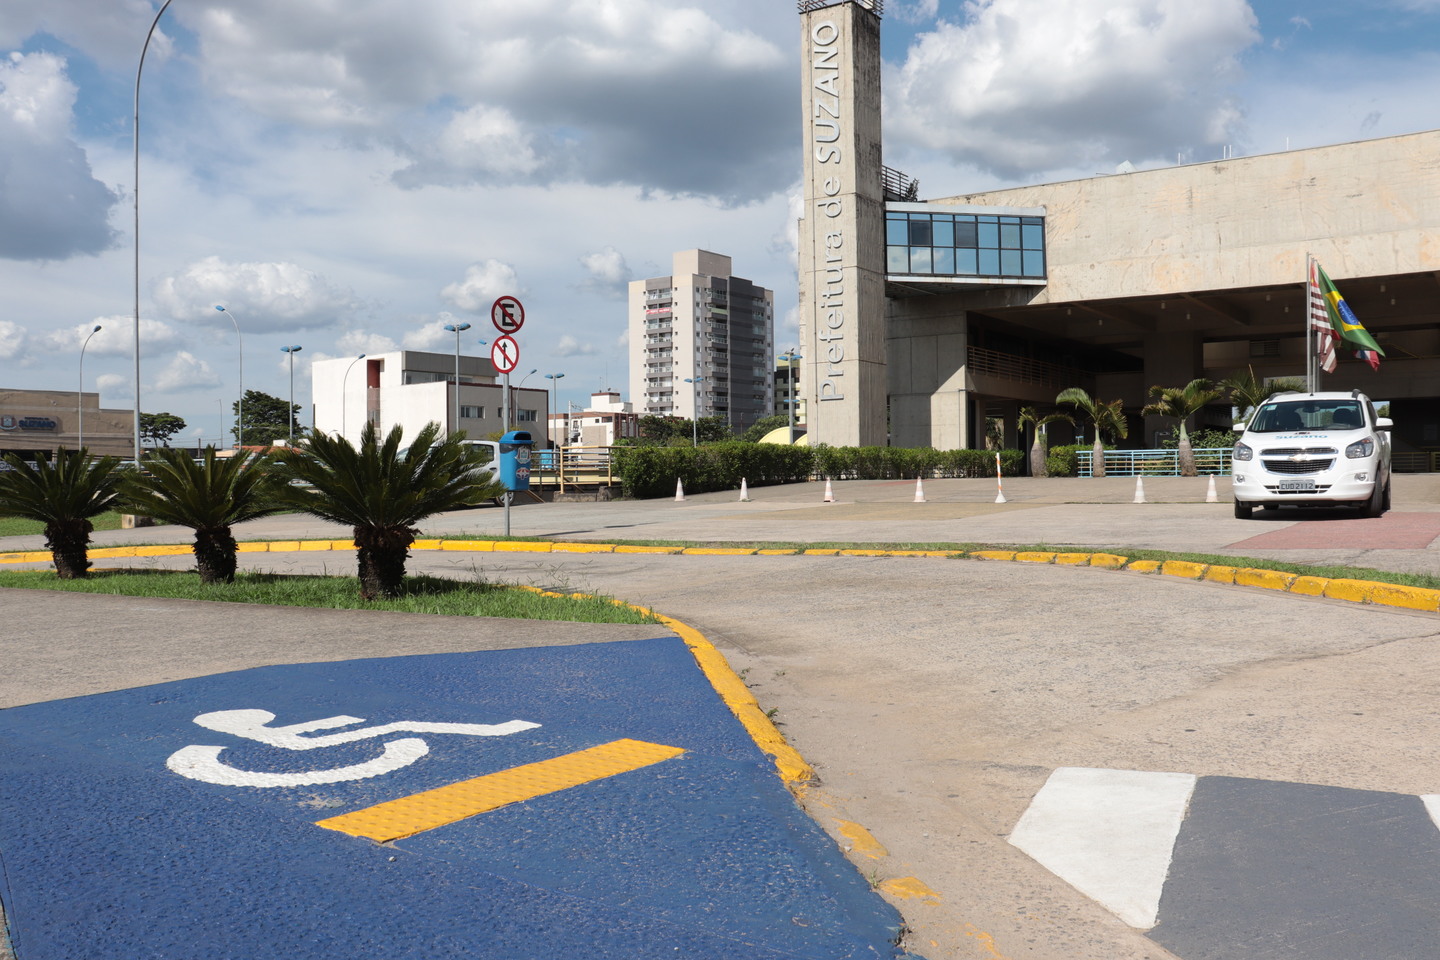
1210, 495
829, 494
744, 491
919, 491
1139, 490
679, 490
999, 483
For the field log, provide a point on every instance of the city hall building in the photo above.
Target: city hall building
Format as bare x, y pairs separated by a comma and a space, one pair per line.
923, 319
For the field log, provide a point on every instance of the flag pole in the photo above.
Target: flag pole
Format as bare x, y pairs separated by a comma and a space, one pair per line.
1312, 335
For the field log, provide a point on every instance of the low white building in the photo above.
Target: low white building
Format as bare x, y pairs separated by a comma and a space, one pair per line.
413, 388
607, 419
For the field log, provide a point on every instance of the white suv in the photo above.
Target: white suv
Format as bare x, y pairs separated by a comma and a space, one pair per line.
1313, 449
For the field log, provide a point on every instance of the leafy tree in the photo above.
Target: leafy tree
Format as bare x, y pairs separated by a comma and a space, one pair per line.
266, 420
209, 497
1037, 449
764, 425
160, 427
678, 431
1182, 403
382, 491
1247, 391
1106, 419
63, 495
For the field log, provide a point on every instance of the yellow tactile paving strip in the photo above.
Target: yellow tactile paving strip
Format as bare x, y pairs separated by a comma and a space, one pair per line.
407, 816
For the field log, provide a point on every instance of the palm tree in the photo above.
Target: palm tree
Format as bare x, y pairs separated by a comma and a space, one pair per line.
1106, 419
1182, 403
1247, 391
383, 491
209, 496
1037, 449
63, 495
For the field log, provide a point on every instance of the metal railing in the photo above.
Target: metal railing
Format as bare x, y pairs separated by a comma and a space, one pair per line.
1009, 366
1209, 462
576, 466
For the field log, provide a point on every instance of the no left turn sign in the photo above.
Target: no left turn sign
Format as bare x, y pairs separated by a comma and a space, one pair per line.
507, 314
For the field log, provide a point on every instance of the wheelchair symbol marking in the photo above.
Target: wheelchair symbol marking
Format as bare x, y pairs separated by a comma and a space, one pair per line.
202, 762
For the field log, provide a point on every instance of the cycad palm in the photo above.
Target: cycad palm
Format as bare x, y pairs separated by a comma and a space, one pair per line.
382, 492
1104, 418
63, 495
209, 497
1182, 403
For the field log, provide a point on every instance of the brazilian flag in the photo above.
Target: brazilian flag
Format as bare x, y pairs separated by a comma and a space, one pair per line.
1343, 319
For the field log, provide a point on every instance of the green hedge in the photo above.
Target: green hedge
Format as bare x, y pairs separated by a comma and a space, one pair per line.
650, 472
1060, 461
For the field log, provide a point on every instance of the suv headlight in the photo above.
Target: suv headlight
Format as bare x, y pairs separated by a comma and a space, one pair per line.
1242, 452
1360, 448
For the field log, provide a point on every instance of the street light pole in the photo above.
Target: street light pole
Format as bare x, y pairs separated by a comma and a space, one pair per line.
457, 329
80, 395
344, 383
290, 411
510, 394
136, 137
790, 356
240, 376
695, 410
554, 379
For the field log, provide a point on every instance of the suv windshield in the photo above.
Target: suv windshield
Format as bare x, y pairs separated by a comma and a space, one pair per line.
1283, 415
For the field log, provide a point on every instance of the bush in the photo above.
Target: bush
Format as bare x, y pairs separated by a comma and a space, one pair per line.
1060, 461
1207, 438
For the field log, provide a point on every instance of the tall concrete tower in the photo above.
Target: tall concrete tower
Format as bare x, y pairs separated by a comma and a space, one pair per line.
842, 229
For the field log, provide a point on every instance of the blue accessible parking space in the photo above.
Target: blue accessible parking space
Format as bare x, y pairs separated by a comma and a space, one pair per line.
582, 801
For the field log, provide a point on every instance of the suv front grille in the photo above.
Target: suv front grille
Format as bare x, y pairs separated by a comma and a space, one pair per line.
1295, 461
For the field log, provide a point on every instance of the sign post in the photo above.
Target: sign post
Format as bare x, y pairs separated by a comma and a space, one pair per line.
507, 314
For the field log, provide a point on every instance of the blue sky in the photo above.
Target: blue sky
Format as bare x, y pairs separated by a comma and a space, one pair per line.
352, 183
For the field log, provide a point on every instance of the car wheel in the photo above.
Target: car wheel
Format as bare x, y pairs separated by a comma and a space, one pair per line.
1269, 506
1375, 506
1387, 495
1242, 510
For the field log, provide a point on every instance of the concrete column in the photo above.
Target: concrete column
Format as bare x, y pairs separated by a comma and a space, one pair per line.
1171, 360
842, 231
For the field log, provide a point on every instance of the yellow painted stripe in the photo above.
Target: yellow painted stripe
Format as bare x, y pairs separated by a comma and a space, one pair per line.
407, 816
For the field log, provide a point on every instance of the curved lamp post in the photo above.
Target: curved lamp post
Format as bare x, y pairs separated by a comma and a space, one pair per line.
554, 379
695, 412
136, 137
344, 383
510, 399
80, 395
790, 356
290, 411
457, 329
240, 375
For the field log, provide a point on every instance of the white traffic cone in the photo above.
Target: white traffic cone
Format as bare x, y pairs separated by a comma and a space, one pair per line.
1139, 490
829, 494
1210, 495
744, 491
919, 491
679, 490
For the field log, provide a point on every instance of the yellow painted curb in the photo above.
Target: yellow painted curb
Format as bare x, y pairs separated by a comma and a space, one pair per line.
582, 547
776, 553
33, 556
478, 546
1356, 591
624, 548
908, 888
1269, 579
718, 551
1183, 568
1309, 586
252, 548
993, 554
862, 841
1108, 561
316, 545
1219, 574
1412, 598
522, 546
433, 544
1075, 559
1034, 556
284, 546
822, 553
165, 550
1144, 566
866, 553
108, 553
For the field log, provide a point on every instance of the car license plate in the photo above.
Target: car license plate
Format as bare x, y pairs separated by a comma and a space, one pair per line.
1298, 485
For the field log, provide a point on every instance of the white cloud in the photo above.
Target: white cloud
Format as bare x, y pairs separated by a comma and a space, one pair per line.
109, 385
265, 297
1023, 87
185, 371
355, 342
568, 346
483, 284
110, 31
14, 341
51, 205
608, 274
116, 337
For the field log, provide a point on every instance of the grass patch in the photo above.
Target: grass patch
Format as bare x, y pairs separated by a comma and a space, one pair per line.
20, 527
423, 594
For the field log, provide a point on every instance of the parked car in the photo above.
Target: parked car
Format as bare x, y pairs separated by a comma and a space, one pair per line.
1313, 450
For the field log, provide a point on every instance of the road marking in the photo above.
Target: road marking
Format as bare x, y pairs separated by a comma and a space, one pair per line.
407, 816
1108, 833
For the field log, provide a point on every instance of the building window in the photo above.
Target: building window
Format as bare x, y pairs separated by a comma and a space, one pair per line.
964, 245
525, 416
472, 413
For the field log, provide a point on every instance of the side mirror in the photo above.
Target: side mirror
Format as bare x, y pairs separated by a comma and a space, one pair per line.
1238, 428
1383, 423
